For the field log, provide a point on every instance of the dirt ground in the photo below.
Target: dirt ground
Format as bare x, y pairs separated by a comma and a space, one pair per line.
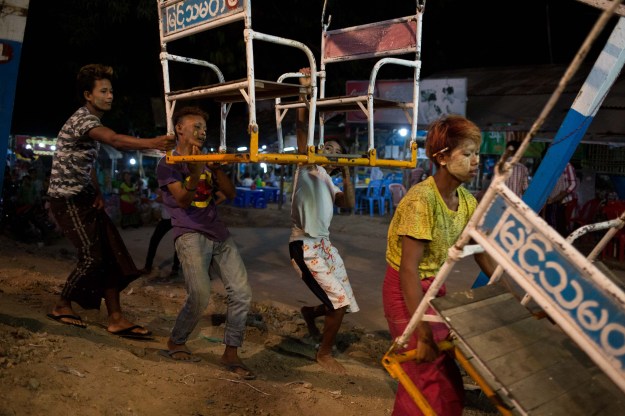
54, 369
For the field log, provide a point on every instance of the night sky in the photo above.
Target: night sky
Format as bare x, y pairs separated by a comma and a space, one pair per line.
63, 35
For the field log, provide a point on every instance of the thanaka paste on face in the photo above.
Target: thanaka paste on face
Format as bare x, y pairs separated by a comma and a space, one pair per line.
458, 164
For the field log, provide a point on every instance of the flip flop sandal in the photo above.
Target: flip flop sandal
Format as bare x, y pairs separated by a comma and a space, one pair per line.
59, 318
131, 334
235, 368
170, 355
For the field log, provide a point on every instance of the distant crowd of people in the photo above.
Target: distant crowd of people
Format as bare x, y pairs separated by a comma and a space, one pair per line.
25, 215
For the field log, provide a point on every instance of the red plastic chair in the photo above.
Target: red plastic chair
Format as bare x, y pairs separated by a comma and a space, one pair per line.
397, 191
613, 210
586, 214
570, 210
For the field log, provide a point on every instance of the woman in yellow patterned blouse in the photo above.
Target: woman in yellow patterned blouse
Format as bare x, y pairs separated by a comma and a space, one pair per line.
428, 220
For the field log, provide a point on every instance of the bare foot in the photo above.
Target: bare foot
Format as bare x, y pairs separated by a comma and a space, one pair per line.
308, 312
117, 325
231, 361
63, 310
237, 367
66, 315
330, 364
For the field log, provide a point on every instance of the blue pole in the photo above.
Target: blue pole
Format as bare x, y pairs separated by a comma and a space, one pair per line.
12, 26
601, 78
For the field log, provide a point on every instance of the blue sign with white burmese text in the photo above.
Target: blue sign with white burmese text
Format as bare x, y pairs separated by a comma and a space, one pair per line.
189, 13
570, 287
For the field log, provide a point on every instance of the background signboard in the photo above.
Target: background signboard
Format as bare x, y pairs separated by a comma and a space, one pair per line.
437, 97
12, 24
185, 14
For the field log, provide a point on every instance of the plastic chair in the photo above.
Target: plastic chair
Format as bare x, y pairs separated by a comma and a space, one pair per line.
397, 192
612, 210
238, 202
260, 203
372, 196
387, 196
586, 214
569, 212
615, 247
257, 199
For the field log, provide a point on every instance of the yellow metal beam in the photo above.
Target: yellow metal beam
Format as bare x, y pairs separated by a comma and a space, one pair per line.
392, 363
486, 389
311, 157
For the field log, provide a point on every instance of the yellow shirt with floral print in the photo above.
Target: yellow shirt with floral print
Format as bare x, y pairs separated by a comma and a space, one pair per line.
422, 214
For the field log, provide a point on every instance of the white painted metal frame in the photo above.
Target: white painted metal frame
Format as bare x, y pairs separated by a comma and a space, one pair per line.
586, 304
574, 293
365, 103
182, 18
369, 98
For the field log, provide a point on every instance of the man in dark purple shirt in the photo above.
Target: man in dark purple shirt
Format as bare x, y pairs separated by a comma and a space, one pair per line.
203, 243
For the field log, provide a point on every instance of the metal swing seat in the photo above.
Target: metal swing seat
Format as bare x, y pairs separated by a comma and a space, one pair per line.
182, 18
572, 363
